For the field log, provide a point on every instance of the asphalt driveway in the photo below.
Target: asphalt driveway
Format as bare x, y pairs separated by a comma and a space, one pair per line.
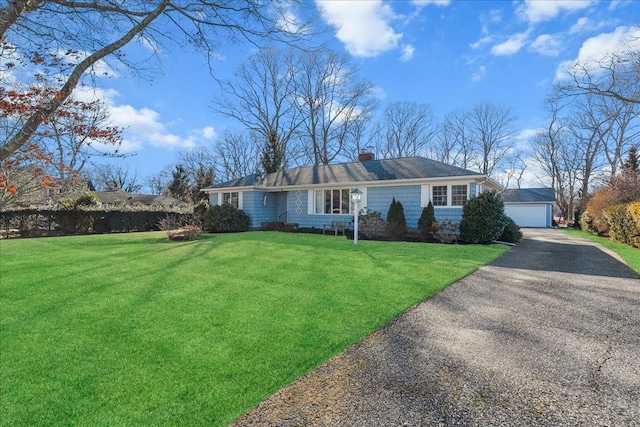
549, 334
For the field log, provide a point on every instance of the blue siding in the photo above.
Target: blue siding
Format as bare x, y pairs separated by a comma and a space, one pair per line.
297, 206
259, 208
379, 199
263, 207
452, 214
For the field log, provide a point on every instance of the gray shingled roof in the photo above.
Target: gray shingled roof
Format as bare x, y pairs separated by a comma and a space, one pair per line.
528, 195
364, 171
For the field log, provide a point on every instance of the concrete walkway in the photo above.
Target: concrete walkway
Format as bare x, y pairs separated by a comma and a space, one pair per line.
549, 334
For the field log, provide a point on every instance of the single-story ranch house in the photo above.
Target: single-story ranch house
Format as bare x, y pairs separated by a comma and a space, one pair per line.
313, 196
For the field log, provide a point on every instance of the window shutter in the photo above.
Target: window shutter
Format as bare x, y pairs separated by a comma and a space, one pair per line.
310, 200
240, 204
425, 195
363, 200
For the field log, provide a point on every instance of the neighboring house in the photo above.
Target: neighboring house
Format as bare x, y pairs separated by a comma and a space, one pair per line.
122, 197
530, 207
313, 196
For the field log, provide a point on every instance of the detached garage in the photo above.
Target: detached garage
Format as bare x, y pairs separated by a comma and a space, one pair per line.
530, 207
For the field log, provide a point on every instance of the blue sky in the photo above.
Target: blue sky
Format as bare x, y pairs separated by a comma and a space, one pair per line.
448, 54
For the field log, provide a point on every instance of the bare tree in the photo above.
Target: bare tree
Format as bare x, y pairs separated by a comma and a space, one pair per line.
330, 98
493, 134
90, 32
77, 132
557, 152
410, 128
109, 177
589, 127
360, 138
237, 155
158, 183
261, 98
623, 132
455, 144
616, 75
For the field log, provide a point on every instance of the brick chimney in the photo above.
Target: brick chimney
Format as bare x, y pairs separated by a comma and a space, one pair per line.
363, 157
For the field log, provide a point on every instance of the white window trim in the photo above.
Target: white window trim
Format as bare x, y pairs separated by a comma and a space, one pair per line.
219, 198
449, 195
311, 200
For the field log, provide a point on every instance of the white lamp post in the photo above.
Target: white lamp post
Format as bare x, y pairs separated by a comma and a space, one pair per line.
356, 196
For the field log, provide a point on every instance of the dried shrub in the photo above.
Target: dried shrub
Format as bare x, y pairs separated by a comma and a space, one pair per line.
602, 199
179, 227
446, 231
188, 232
371, 225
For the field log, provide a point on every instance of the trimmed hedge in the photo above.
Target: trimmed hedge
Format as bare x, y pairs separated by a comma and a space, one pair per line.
64, 222
225, 219
622, 222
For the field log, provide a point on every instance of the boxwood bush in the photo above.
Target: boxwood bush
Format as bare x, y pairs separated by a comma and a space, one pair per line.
483, 218
225, 219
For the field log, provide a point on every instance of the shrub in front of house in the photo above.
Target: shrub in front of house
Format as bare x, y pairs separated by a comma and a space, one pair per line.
225, 219
483, 218
426, 221
396, 221
511, 232
371, 225
446, 231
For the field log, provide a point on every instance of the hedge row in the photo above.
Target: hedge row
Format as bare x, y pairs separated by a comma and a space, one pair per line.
62, 222
623, 222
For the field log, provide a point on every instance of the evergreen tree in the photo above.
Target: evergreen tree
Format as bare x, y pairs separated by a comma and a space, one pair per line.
273, 156
632, 165
427, 219
396, 221
483, 218
179, 186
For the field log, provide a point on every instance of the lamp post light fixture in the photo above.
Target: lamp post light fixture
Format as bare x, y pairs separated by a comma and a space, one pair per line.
356, 196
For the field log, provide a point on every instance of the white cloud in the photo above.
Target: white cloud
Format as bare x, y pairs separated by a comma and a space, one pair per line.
479, 74
141, 126
546, 44
581, 25
422, 3
363, 26
511, 46
535, 11
483, 41
595, 49
209, 132
407, 52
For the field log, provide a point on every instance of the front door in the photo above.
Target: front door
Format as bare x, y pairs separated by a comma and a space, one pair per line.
281, 207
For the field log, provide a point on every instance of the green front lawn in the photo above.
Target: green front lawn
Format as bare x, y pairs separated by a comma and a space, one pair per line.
131, 329
629, 254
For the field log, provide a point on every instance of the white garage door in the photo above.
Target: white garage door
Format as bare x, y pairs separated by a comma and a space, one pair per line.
527, 215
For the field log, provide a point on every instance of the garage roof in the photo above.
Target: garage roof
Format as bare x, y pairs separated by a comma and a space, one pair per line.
528, 195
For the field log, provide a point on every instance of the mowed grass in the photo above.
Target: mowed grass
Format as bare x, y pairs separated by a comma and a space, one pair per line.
629, 254
131, 329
